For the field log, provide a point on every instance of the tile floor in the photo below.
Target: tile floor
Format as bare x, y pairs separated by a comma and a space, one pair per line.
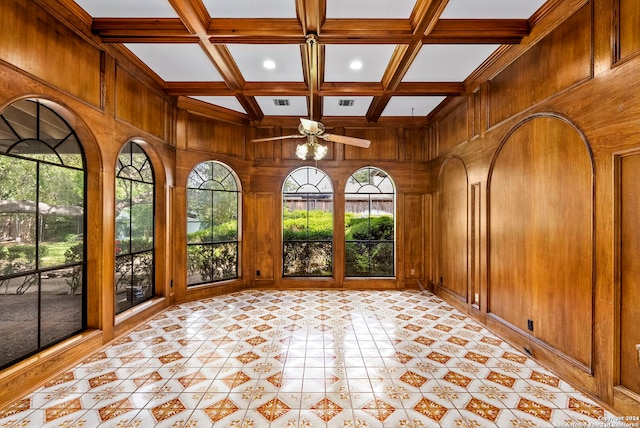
347, 359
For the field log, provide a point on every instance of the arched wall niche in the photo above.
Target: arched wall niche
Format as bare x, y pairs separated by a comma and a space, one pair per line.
540, 236
453, 187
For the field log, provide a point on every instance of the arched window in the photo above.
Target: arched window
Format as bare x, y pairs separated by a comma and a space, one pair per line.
213, 207
42, 213
369, 223
307, 223
135, 202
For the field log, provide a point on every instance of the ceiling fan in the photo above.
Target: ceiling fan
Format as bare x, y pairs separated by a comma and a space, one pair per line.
310, 129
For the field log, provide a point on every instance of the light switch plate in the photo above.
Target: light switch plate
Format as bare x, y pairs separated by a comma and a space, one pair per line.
638, 349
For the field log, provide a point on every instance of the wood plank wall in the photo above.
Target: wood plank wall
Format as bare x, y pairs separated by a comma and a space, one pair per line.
547, 152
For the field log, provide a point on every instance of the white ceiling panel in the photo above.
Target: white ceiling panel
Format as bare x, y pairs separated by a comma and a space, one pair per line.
359, 106
270, 106
374, 59
447, 63
411, 106
230, 103
251, 8
176, 62
491, 9
369, 9
127, 8
287, 59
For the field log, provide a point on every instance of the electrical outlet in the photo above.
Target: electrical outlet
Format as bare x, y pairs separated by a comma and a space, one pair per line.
638, 349
413, 272
530, 325
257, 273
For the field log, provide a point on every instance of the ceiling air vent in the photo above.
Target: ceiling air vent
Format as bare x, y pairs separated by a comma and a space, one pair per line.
345, 103
280, 102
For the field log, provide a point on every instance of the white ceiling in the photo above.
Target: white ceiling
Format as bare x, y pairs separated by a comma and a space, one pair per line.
188, 62
400, 9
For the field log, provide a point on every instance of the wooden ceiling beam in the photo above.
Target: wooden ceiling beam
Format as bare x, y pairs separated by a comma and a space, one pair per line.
478, 31
424, 18
198, 88
295, 89
113, 30
288, 31
256, 31
311, 15
195, 17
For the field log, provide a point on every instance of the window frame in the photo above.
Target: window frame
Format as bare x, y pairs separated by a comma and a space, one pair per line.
134, 293
223, 244
39, 274
370, 243
307, 244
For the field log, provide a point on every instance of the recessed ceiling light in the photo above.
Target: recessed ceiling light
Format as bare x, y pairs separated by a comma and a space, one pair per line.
269, 64
355, 65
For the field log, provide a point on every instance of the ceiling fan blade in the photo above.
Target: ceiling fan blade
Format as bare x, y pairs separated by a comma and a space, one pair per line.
343, 139
284, 137
310, 126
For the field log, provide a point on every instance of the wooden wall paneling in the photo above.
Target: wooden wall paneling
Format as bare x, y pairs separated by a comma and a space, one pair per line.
384, 144
413, 225
629, 27
35, 42
452, 226
431, 143
453, 129
205, 133
510, 209
138, 104
265, 238
179, 231
541, 235
265, 150
559, 61
412, 144
629, 248
474, 245
429, 229
476, 113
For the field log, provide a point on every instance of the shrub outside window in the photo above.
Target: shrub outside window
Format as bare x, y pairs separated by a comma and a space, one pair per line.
369, 224
42, 229
213, 206
135, 201
307, 223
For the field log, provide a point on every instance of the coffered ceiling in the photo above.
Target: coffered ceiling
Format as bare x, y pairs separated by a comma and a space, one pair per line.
321, 58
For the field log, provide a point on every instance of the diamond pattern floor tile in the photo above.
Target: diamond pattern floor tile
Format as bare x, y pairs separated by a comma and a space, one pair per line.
313, 358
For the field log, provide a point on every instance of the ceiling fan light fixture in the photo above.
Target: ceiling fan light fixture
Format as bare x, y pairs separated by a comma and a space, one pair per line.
319, 151
302, 150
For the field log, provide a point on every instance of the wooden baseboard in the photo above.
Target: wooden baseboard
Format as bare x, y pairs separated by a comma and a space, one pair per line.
29, 374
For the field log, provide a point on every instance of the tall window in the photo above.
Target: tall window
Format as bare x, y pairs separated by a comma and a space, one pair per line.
307, 229
213, 206
135, 201
42, 209
369, 223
